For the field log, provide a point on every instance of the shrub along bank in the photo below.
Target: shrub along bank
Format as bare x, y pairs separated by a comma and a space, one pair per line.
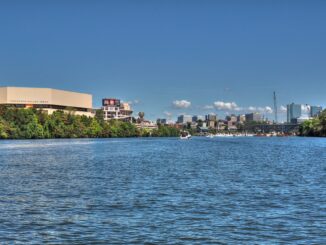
35, 124
314, 127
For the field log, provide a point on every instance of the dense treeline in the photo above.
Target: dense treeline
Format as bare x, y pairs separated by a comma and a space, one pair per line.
314, 127
35, 124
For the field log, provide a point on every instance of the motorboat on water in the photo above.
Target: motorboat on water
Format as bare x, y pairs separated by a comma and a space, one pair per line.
210, 136
223, 135
185, 135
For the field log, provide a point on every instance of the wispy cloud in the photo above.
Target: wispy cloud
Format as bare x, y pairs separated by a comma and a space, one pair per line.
208, 107
168, 114
283, 108
266, 109
181, 104
133, 102
228, 106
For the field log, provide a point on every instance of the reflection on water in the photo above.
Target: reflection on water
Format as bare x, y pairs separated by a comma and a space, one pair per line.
232, 190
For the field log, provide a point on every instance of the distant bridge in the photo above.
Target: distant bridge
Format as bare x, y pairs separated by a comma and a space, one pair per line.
267, 128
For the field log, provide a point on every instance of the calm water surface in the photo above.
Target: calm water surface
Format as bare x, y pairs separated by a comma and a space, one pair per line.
163, 191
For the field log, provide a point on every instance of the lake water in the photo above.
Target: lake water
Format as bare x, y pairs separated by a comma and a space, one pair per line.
163, 191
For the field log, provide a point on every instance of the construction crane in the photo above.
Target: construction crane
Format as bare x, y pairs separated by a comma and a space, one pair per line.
275, 107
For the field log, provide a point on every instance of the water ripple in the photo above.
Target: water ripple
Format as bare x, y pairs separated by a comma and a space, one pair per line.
163, 191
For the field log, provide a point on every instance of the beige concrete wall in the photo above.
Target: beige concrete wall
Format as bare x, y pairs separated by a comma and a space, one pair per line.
28, 95
17, 95
3, 95
66, 98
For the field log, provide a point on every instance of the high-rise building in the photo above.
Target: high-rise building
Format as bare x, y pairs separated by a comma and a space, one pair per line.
315, 110
253, 117
197, 118
183, 119
211, 120
294, 111
232, 118
241, 118
211, 117
161, 121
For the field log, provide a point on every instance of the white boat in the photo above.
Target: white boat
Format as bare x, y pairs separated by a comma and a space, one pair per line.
185, 135
224, 135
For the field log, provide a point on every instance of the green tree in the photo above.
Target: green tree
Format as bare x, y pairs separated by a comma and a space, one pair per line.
35, 124
3, 131
94, 129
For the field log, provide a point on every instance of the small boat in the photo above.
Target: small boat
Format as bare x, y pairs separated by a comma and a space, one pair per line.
224, 135
185, 135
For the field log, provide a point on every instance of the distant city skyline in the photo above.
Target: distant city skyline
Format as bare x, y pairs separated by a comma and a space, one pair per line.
170, 58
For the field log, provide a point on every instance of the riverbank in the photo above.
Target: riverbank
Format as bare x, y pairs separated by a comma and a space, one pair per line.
315, 127
35, 124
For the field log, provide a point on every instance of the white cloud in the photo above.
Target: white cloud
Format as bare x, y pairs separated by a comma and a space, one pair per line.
283, 108
268, 109
168, 114
181, 104
230, 106
252, 108
133, 102
305, 108
208, 107
238, 109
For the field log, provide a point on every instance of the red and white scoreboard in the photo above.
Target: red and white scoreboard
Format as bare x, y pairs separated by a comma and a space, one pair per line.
110, 102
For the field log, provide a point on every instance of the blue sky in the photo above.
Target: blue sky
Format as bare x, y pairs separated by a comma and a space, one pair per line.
164, 54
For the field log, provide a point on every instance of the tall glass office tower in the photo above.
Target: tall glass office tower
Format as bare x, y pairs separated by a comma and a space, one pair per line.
293, 112
315, 110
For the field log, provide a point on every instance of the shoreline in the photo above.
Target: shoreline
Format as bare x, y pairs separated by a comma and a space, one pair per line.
154, 137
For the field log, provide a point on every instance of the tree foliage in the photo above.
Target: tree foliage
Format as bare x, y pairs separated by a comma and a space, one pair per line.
315, 126
165, 131
36, 124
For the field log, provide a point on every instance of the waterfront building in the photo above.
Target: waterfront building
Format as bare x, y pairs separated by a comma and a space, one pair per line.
115, 109
294, 111
184, 119
211, 117
231, 118
315, 110
143, 123
146, 124
232, 125
47, 99
222, 124
253, 117
231, 122
211, 124
211, 120
241, 119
